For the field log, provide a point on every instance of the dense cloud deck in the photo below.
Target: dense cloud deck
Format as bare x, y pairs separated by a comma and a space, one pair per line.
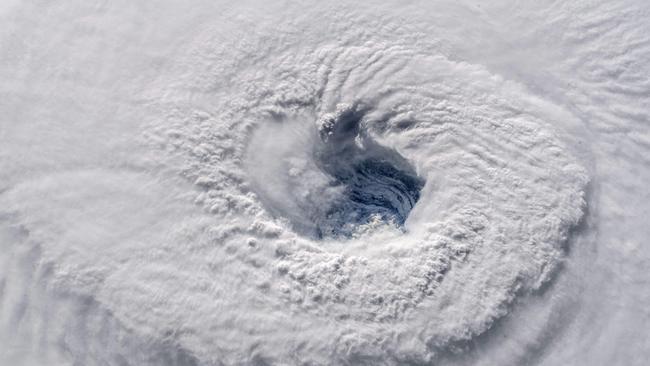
431, 183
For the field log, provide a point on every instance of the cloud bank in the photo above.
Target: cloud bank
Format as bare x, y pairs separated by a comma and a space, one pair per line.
257, 184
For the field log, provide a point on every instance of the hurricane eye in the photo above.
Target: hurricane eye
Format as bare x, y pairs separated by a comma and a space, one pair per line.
377, 182
332, 180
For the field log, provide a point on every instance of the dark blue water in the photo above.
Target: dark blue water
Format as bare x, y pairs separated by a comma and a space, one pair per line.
377, 182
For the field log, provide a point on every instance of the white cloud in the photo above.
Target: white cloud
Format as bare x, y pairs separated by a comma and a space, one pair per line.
162, 173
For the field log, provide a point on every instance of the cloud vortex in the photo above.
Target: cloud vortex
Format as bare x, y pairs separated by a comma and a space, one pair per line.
328, 146
442, 183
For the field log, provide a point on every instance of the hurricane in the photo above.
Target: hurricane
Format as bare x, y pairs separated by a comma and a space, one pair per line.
313, 183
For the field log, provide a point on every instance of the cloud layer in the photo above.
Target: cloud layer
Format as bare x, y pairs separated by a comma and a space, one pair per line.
310, 184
